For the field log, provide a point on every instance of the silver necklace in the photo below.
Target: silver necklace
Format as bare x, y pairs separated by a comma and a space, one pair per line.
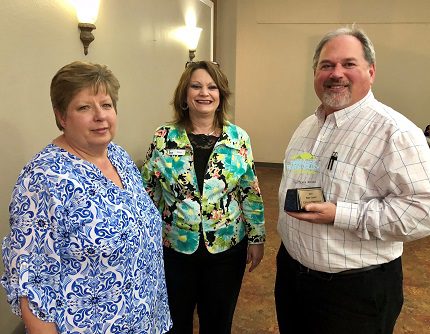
205, 134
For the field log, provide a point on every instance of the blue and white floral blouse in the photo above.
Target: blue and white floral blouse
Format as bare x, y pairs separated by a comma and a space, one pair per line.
230, 207
86, 253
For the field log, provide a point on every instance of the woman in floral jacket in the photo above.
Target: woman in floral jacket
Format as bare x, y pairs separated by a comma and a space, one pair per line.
200, 173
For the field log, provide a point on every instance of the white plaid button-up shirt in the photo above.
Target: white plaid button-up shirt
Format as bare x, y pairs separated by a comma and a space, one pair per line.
374, 165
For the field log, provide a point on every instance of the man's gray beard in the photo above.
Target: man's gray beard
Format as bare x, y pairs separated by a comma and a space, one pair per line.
336, 101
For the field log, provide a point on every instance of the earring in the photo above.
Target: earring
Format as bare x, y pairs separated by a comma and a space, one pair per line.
184, 108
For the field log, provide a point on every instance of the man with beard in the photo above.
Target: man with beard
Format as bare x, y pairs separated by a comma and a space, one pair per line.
356, 185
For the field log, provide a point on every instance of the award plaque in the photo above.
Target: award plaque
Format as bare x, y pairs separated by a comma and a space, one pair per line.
296, 199
305, 184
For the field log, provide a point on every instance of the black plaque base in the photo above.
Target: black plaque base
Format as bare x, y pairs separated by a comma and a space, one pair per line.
296, 199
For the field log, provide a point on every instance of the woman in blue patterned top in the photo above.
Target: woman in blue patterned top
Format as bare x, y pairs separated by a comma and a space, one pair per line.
84, 254
200, 173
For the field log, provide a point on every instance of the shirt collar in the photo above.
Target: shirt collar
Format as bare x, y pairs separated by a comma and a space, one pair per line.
343, 115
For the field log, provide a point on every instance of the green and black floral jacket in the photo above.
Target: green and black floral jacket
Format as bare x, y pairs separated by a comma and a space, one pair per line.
230, 207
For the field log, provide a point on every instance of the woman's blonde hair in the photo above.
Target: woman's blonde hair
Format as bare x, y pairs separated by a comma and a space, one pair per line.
72, 78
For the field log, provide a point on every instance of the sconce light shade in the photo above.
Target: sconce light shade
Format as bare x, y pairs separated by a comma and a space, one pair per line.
192, 36
87, 12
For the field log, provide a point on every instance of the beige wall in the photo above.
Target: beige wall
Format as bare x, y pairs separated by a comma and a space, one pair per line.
226, 44
275, 40
132, 37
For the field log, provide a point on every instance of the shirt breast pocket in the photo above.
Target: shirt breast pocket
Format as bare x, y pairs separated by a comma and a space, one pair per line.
348, 182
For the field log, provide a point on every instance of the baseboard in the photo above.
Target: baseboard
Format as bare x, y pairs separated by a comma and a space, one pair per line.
268, 164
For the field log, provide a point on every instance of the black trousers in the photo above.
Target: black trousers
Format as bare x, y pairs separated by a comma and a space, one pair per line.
209, 281
367, 302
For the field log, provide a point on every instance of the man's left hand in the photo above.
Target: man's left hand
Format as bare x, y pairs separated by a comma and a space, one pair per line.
316, 213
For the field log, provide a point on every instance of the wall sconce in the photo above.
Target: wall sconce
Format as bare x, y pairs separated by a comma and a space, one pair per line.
192, 36
87, 12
